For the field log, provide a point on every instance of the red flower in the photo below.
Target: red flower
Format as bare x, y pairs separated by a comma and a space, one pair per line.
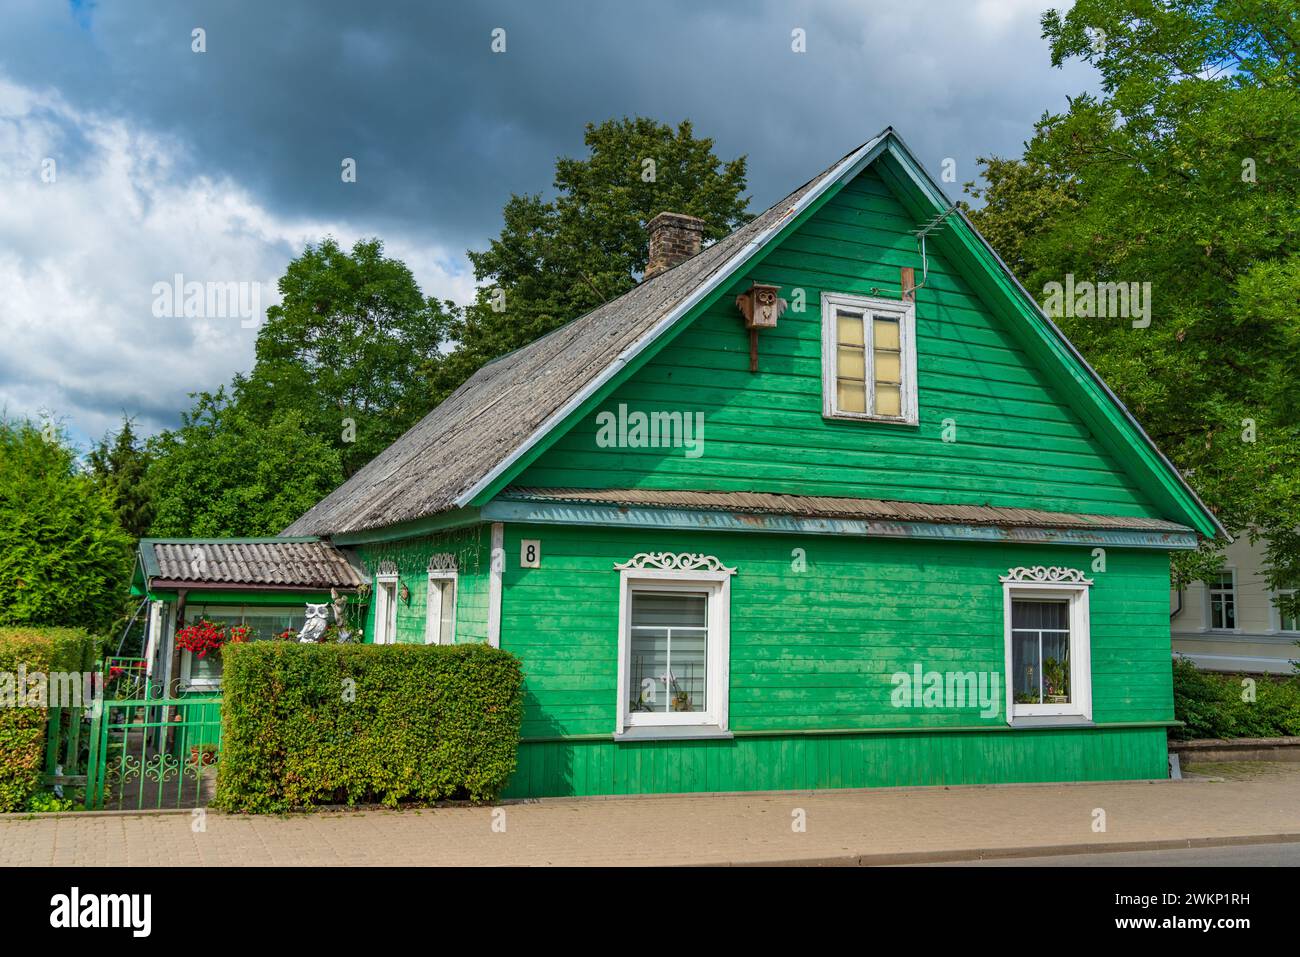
205, 636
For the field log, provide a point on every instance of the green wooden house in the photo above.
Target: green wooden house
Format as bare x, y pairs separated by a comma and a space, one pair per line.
829, 503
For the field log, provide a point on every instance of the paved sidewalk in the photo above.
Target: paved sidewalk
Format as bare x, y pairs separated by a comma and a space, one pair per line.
876, 826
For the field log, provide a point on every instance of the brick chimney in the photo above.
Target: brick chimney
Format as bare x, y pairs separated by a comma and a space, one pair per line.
674, 238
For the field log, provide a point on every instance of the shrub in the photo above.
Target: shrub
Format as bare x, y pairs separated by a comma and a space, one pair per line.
22, 730
1211, 705
64, 559
346, 724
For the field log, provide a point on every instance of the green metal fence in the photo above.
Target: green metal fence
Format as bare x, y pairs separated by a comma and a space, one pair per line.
126, 677
153, 752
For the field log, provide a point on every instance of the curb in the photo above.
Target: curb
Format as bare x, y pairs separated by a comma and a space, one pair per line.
906, 858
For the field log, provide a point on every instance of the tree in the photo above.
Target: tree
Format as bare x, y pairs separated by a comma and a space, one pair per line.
64, 559
224, 474
1182, 174
349, 349
559, 259
119, 464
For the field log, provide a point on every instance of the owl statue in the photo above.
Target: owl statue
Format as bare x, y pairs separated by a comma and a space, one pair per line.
314, 627
340, 605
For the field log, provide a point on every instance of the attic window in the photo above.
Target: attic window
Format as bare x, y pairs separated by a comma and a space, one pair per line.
868, 359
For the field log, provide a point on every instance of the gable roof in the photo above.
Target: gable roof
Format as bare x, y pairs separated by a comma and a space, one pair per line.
299, 563
478, 438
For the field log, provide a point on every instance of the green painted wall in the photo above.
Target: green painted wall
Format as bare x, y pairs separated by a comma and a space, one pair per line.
1018, 441
792, 762
411, 556
814, 650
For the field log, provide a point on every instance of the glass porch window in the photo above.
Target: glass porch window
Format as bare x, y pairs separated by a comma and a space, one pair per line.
669, 651
1040, 651
264, 623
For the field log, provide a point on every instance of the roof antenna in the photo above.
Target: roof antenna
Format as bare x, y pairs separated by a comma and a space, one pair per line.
936, 223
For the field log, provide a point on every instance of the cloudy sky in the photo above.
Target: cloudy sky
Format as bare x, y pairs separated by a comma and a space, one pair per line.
127, 158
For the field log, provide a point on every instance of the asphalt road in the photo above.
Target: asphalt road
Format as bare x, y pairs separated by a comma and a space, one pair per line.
1243, 855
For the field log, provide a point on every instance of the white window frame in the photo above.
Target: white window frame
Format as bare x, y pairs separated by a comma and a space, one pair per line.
902, 310
1276, 612
1236, 604
716, 584
1076, 593
385, 605
432, 600
188, 682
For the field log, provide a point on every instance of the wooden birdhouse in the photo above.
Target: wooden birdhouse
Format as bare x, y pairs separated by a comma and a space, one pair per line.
760, 306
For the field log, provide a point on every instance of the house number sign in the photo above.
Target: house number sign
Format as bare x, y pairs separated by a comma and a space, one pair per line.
530, 553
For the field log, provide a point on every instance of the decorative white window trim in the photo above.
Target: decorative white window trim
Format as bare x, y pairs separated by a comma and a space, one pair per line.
682, 572
433, 605
1038, 574
902, 310
674, 561
442, 562
1038, 583
387, 570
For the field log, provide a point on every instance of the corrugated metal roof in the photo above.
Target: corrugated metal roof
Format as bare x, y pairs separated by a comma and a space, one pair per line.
273, 562
822, 506
488, 418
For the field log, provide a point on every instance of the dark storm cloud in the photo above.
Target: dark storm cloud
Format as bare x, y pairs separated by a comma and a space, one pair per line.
443, 129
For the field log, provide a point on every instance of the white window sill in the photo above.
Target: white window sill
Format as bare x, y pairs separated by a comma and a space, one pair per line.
1051, 721
681, 732
862, 417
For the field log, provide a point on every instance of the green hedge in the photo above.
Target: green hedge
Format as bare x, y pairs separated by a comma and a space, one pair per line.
1211, 705
22, 730
347, 724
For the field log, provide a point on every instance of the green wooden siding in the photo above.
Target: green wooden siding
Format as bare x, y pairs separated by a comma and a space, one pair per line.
411, 556
1019, 443
814, 650
799, 762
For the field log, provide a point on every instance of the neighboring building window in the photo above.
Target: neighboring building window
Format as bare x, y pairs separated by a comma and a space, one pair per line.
869, 358
1286, 622
263, 621
674, 647
440, 609
1048, 646
1223, 600
385, 609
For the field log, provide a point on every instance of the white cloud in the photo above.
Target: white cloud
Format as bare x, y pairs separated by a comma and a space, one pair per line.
79, 257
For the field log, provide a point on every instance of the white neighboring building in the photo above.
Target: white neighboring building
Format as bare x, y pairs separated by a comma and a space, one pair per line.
1232, 624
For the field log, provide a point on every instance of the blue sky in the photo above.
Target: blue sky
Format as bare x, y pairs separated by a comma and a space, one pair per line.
220, 165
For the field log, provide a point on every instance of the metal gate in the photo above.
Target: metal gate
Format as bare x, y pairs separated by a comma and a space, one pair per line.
153, 753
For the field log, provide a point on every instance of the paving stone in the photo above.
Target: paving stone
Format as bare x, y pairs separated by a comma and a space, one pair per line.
687, 829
